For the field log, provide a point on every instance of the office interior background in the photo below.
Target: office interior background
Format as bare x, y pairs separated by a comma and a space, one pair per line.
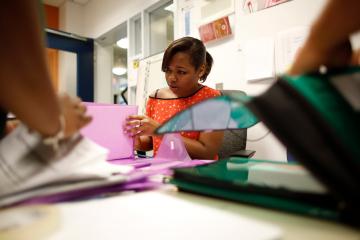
130, 37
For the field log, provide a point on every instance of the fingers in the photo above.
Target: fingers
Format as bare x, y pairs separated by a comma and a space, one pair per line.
137, 125
135, 117
133, 123
134, 127
74, 112
80, 108
84, 120
80, 112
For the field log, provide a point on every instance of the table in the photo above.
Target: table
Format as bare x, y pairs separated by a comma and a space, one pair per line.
165, 213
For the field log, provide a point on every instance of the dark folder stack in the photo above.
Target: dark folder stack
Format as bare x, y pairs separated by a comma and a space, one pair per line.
317, 117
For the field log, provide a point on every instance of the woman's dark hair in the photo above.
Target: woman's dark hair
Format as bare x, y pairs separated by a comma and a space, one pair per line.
196, 51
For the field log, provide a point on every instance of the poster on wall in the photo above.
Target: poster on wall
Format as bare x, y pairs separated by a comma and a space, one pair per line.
287, 44
217, 29
250, 6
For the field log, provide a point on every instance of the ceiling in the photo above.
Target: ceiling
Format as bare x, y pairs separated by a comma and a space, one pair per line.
113, 35
58, 3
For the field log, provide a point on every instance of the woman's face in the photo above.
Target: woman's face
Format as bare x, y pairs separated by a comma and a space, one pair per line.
181, 76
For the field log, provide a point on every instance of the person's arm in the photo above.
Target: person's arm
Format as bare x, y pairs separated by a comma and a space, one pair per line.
143, 143
328, 42
206, 147
25, 86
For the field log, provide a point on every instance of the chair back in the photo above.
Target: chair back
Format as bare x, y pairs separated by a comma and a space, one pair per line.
234, 140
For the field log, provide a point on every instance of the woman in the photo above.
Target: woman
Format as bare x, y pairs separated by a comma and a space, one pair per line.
186, 65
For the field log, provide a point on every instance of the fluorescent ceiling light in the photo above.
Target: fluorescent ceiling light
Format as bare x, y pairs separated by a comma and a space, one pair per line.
119, 71
123, 43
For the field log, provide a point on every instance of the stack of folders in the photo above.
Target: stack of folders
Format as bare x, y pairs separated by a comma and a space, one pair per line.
33, 172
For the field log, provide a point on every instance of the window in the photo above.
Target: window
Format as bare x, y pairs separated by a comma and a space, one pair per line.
137, 36
119, 69
161, 27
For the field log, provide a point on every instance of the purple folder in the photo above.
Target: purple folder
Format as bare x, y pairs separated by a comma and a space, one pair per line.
106, 128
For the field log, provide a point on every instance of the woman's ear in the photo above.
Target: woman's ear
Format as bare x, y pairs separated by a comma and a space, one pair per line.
202, 70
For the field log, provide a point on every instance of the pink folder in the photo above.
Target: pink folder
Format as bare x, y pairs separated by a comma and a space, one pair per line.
106, 128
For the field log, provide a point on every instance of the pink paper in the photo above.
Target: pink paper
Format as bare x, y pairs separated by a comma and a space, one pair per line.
106, 129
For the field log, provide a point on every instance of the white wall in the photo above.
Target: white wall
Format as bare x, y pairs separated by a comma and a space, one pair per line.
229, 59
71, 18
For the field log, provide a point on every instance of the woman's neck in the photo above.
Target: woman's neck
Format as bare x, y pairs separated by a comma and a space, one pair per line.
168, 94
191, 91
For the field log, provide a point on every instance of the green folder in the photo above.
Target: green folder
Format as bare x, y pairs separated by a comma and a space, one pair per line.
283, 186
317, 118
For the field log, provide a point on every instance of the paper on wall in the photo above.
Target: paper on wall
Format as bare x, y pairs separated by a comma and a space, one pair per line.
259, 59
287, 44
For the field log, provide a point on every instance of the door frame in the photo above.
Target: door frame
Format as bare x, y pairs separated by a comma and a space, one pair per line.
84, 50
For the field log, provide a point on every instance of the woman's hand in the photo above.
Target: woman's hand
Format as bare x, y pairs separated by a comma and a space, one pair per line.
141, 128
74, 112
138, 125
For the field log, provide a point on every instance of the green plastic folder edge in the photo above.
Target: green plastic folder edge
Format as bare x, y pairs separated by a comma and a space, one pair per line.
257, 199
319, 91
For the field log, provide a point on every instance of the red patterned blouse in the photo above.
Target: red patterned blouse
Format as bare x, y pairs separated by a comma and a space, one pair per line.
161, 109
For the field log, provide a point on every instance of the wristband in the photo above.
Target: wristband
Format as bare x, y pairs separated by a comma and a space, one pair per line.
54, 140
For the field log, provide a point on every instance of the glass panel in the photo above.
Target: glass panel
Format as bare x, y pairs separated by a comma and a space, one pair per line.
225, 112
132, 95
119, 70
137, 36
67, 73
161, 28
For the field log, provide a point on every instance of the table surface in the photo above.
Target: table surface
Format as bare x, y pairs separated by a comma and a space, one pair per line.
165, 213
